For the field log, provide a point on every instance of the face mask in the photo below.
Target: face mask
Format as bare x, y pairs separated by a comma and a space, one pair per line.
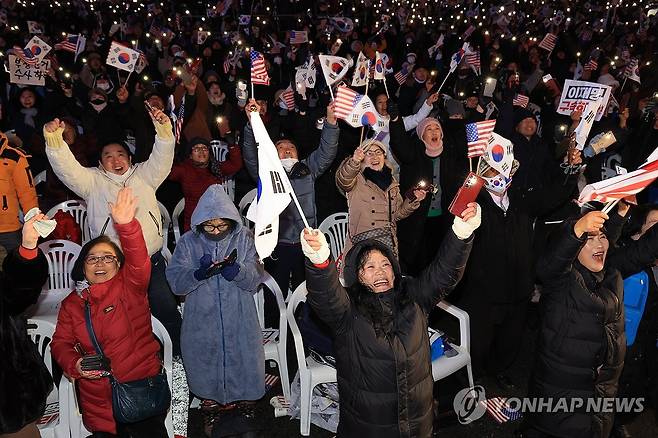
103, 84
98, 101
99, 107
216, 237
497, 184
288, 163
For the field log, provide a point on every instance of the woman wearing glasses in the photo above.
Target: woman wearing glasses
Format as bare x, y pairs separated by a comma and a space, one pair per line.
115, 284
373, 195
216, 268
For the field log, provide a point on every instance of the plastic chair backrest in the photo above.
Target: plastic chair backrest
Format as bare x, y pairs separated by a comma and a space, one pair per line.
269, 283
219, 150
78, 210
166, 222
161, 333
297, 297
176, 219
61, 255
336, 227
41, 333
40, 178
636, 290
244, 204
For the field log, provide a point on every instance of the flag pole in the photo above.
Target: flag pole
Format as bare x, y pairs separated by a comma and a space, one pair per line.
478, 168
609, 206
444, 81
129, 73
299, 207
366, 93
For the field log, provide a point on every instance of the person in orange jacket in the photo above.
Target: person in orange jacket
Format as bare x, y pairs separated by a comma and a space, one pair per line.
17, 191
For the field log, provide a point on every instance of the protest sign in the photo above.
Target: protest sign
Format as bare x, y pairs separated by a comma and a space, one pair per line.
577, 94
25, 74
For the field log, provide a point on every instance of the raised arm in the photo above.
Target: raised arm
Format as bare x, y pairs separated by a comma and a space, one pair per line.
637, 255
442, 275
76, 177
349, 170
325, 293
410, 122
324, 155
136, 269
157, 167
401, 144
249, 150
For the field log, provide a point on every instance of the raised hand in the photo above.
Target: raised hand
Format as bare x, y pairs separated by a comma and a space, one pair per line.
592, 222
123, 210
159, 117
315, 246
30, 234
54, 126
122, 94
359, 154
252, 106
331, 113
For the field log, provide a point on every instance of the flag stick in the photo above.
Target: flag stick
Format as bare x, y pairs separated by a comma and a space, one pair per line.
331, 92
470, 164
126, 83
253, 96
610, 205
621, 90
385, 86
299, 207
118, 77
366, 93
444, 81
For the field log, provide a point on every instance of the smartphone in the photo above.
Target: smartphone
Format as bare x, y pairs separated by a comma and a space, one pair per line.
467, 193
214, 269
149, 108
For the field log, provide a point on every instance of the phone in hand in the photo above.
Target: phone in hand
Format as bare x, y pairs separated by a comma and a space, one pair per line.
149, 107
96, 362
214, 269
467, 193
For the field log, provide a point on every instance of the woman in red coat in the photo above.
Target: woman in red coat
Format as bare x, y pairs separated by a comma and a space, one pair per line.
115, 283
200, 170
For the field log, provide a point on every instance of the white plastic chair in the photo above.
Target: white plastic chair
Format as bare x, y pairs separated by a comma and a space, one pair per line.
39, 178
219, 150
311, 373
275, 349
41, 333
444, 366
61, 255
336, 227
243, 207
166, 223
229, 188
79, 430
175, 219
78, 210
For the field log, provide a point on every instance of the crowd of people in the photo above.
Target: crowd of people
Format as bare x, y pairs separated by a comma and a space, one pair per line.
177, 125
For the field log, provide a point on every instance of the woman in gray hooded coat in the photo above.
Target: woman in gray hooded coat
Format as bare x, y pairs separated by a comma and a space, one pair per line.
221, 339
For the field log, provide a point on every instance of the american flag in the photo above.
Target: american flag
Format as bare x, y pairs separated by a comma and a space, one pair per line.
520, 100
477, 135
288, 97
591, 65
227, 65
179, 119
70, 44
26, 55
473, 59
621, 186
629, 71
498, 408
403, 74
298, 36
346, 100
270, 381
258, 72
549, 41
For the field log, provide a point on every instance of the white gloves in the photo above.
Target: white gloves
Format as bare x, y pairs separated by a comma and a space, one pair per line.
316, 257
164, 130
464, 229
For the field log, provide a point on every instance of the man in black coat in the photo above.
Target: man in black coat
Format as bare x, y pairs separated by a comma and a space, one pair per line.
24, 378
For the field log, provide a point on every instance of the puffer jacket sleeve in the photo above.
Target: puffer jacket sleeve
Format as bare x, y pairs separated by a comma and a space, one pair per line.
324, 155
403, 207
442, 275
347, 173
62, 345
21, 281
137, 268
637, 255
76, 177
557, 262
156, 169
327, 296
22, 179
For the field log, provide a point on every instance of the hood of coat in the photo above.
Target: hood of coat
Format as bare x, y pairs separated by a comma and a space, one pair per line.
351, 264
215, 204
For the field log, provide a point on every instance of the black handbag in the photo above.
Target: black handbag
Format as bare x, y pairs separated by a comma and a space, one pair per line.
137, 400
382, 234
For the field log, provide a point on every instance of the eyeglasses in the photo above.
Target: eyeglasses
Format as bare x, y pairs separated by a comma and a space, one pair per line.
376, 153
106, 259
200, 148
210, 228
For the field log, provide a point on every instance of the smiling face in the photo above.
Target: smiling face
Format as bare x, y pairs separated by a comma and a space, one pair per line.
101, 263
200, 155
592, 255
374, 158
27, 99
380, 104
115, 159
433, 139
527, 127
376, 272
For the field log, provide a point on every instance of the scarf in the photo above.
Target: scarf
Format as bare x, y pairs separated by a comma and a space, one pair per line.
381, 179
29, 115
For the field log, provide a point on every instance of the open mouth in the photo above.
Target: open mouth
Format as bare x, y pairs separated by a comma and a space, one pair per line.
118, 169
598, 256
100, 272
381, 283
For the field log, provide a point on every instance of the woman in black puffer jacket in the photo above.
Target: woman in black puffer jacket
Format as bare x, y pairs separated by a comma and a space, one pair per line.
381, 343
582, 341
24, 379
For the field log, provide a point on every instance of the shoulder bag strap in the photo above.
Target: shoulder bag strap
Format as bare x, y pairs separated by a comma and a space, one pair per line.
90, 329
